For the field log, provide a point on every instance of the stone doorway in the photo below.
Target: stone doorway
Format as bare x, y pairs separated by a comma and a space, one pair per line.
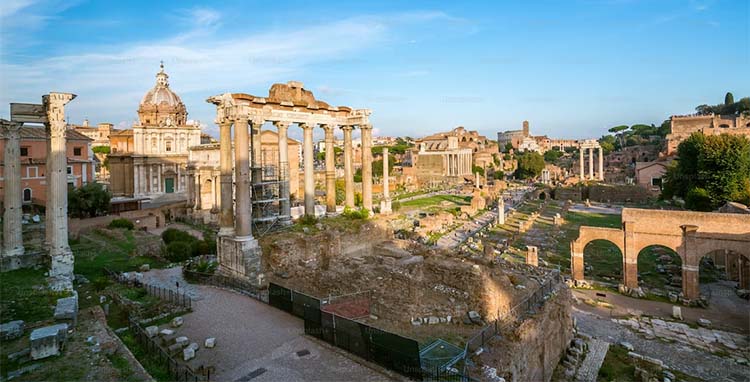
169, 185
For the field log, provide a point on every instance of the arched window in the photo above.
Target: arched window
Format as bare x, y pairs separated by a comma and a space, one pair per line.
26, 195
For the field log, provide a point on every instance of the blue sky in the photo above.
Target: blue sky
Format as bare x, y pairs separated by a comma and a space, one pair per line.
572, 68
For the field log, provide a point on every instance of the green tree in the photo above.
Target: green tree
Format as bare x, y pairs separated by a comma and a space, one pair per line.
608, 143
718, 164
377, 166
530, 165
552, 155
619, 132
88, 201
697, 199
508, 147
729, 98
101, 149
477, 169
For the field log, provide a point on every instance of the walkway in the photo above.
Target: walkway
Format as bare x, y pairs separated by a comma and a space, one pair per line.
590, 366
257, 342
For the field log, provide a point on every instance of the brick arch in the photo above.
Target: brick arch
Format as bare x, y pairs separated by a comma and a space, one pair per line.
672, 243
585, 236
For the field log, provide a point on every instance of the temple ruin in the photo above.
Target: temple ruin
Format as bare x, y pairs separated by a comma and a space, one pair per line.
286, 104
590, 145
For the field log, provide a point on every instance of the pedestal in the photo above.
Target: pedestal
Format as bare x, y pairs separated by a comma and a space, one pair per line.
385, 206
240, 257
61, 270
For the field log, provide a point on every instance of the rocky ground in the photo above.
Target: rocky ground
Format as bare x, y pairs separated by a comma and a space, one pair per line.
684, 357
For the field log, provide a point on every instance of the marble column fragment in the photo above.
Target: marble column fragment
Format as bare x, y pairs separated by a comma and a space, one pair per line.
366, 166
12, 234
348, 164
385, 204
307, 130
226, 216
285, 210
330, 170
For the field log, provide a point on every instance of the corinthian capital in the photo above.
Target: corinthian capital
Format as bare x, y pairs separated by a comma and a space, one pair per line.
11, 129
328, 128
54, 104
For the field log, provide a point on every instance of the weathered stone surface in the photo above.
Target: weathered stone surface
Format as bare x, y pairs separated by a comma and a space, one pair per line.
152, 331
704, 322
188, 354
194, 346
677, 312
177, 322
48, 341
166, 332
182, 340
67, 309
11, 330
627, 345
210, 343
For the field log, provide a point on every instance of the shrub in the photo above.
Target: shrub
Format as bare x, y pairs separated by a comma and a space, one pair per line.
361, 213
171, 235
698, 199
100, 283
308, 220
179, 251
395, 206
121, 223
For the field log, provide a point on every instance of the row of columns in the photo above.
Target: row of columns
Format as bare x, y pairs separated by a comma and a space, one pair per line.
457, 164
56, 172
591, 163
239, 223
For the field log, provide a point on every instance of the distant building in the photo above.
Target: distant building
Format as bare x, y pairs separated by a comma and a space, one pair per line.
33, 144
514, 137
528, 144
99, 133
683, 126
649, 174
150, 159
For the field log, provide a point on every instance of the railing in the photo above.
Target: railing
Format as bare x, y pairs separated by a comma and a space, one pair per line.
234, 283
177, 370
512, 315
176, 297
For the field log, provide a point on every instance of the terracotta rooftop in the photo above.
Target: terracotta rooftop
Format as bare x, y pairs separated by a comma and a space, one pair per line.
33, 132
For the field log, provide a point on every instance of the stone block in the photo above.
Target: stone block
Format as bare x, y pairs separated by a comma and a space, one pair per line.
188, 354
182, 341
48, 341
704, 323
144, 268
627, 345
676, 312
166, 332
12, 330
152, 331
177, 322
210, 343
194, 346
66, 309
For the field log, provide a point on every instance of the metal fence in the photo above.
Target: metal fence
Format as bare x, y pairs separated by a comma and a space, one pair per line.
389, 350
177, 370
244, 287
179, 298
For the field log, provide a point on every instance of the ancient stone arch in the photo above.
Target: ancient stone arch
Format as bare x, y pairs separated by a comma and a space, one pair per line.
690, 234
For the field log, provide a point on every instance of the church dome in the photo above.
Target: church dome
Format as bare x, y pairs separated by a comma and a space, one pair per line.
161, 105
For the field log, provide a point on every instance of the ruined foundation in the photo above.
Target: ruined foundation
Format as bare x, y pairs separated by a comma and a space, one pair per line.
241, 258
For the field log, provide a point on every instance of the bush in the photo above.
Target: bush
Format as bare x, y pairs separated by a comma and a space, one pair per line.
171, 235
361, 213
89, 200
100, 283
179, 251
698, 199
121, 223
395, 206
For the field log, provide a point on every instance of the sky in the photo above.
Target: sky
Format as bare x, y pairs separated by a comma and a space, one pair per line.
572, 68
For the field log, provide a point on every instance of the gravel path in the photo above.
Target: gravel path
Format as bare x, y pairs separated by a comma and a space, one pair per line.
684, 358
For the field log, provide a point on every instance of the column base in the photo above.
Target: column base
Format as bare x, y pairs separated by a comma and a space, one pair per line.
61, 270
385, 206
12, 259
226, 231
240, 256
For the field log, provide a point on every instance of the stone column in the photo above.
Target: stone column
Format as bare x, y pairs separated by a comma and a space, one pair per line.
190, 190
532, 255
348, 173
580, 156
226, 216
601, 164
285, 206
366, 166
501, 210
242, 227
61, 266
591, 163
385, 204
629, 257
576, 262
197, 189
307, 130
12, 233
330, 170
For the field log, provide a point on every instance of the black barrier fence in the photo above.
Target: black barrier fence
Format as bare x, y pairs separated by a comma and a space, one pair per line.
234, 283
389, 350
179, 298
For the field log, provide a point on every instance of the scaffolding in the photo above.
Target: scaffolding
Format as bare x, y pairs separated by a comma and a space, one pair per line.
268, 182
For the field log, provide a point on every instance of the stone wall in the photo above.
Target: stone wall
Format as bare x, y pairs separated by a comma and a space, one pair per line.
618, 194
568, 193
532, 350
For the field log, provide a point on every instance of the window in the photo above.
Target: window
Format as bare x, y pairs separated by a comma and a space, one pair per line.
32, 172
77, 151
70, 170
27, 195
24, 151
168, 146
656, 182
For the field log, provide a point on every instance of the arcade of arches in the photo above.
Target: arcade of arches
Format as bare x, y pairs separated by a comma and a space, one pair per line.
692, 235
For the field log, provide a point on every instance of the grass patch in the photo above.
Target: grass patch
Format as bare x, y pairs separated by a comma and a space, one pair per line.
617, 366
24, 296
156, 367
98, 250
123, 366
